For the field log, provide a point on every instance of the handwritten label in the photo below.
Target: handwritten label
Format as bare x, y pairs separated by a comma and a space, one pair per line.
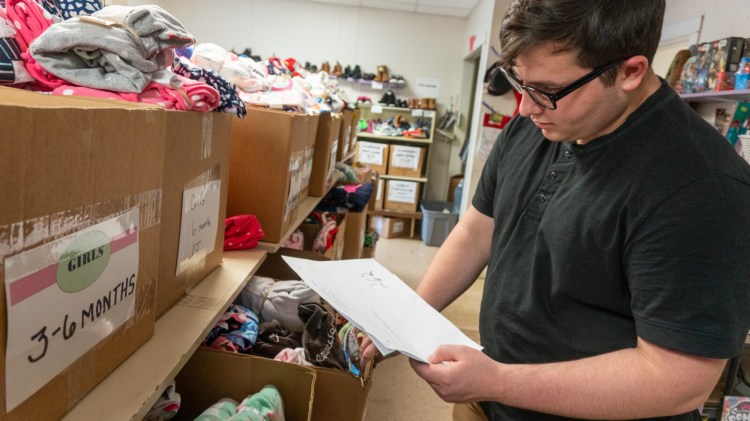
417, 113
371, 153
402, 191
377, 85
64, 297
405, 156
200, 224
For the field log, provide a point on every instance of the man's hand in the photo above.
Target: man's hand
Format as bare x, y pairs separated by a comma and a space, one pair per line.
368, 352
458, 373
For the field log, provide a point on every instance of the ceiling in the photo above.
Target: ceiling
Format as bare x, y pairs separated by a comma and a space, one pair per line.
458, 8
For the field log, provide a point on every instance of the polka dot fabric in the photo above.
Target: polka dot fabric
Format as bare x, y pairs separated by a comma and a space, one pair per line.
230, 101
71, 8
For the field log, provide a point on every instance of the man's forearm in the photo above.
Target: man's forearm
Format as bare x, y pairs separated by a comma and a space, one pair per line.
647, 381
459, 261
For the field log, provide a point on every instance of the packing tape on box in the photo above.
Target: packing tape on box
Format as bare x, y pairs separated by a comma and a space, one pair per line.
23, 235
208, 135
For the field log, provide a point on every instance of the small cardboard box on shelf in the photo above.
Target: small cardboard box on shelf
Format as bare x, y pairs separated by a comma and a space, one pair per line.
406, 161
211, 375
79, 241
401, 195
266, 166
339, 395
390, 227
374, 155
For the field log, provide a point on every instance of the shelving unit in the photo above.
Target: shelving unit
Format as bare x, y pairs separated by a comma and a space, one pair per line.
129, 392
718, 96
384, 113
373, 83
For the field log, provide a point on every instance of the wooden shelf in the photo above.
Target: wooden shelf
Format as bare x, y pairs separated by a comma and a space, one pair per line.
365, 135
718, 96
396, 214
131, 390
398, 177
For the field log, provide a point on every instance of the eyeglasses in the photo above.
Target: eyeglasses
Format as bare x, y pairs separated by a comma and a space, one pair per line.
548, 100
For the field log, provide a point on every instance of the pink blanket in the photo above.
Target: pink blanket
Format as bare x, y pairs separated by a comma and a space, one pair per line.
42, 76
29, 19
192, 96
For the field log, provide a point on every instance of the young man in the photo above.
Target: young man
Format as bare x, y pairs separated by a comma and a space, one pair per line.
614, 225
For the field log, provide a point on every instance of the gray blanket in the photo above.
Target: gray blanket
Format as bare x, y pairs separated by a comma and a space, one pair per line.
117, 48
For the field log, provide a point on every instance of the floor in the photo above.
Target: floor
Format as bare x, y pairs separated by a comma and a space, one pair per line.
397, 392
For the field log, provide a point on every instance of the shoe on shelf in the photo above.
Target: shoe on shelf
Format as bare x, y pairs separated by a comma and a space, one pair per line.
368, 76
356, 72
337, 70
347, 72
325, 67
382, 75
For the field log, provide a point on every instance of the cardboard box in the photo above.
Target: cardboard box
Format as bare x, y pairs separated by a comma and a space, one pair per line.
80, 178
210, 375
401, 195
326, 148
336, 251
308, 158
194, 202
389, 227
265, 167
376, 199
354, 238
374, 155
345, 134
406, 161
368, 252
338, 394
355, 128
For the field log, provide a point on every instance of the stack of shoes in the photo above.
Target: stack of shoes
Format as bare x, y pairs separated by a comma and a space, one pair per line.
397, 80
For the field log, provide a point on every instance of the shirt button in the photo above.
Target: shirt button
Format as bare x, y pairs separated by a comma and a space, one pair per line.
553, 175
567, 154
543, 198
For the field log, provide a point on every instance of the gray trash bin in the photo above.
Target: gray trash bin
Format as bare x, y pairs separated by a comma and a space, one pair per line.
438, 219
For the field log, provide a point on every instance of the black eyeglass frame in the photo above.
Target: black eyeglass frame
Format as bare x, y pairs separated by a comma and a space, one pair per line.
554, 97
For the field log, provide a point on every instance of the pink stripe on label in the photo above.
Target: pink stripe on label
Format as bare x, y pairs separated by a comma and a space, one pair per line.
30, 285
123, 240
45, 278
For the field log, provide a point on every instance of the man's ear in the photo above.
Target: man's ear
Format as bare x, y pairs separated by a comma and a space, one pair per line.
633, 72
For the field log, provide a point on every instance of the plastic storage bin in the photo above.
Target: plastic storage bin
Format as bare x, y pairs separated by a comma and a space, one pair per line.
438, 219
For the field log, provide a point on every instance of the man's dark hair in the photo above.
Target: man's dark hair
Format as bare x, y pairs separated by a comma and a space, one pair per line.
598, 31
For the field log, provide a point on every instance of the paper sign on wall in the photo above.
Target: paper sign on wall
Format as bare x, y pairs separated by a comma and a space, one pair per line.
402, 191
199, 224
427, 87
371, 153
64, 297
405, 156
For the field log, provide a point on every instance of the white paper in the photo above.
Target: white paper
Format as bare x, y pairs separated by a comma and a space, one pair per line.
371, 153
405, 156
427, 87
402, 191
64, 297
379, 303
198, 226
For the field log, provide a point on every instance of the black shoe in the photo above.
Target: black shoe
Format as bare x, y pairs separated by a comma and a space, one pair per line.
356, 72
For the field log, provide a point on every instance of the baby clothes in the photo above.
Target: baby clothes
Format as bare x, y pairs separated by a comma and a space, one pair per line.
12, 68
71, 8
118, 50
277, 300
294, 356
320, 339
223, 410
265, 405
167, 406
273, 338
242, 232
236, 330
229, 102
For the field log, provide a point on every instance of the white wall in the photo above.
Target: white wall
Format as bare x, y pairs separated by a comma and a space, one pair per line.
723, 18
409, 44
